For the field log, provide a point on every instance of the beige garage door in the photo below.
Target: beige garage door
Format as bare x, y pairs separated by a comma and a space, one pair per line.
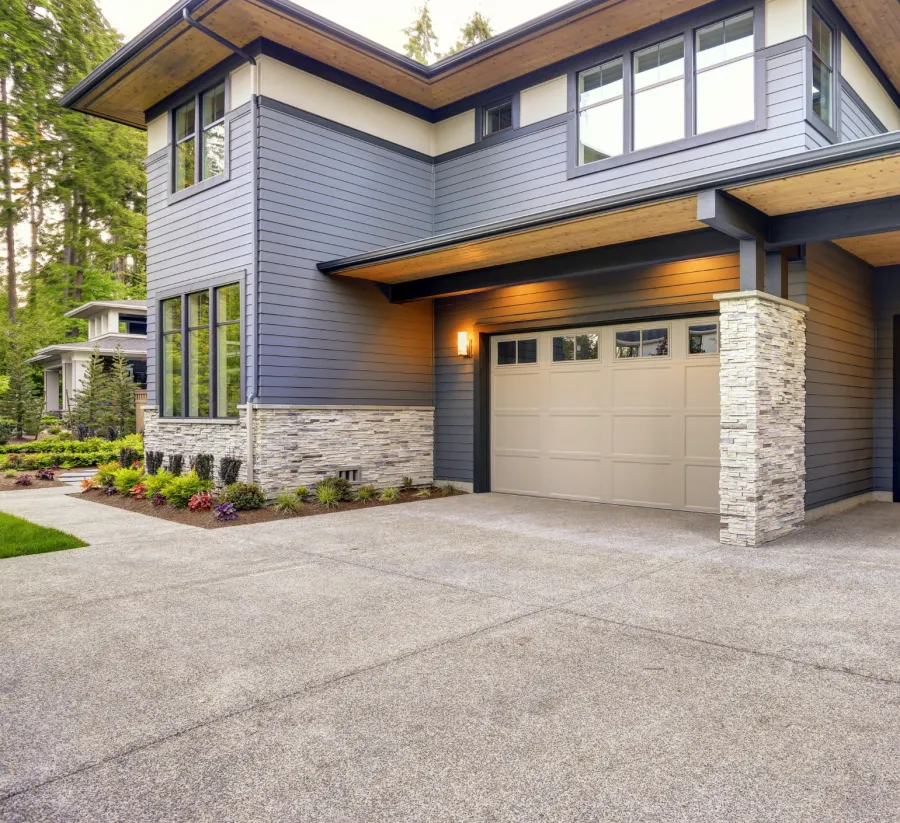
614, 414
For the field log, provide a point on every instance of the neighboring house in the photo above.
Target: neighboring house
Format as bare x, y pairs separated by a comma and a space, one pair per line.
111, 323
639, 252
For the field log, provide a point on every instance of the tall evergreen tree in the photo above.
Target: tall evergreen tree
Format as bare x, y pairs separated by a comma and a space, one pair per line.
20, 402
91, 406
421, 41
476, 30
121, 393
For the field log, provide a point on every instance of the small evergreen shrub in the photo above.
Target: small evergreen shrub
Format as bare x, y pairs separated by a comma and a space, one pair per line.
245, 496
176, 464
201, 502
203, 465
225, 511
407, 483
229, 468
364, 493
24, 480
105, 476
54, 430
389, 495
343, 487
153, 462
155, 483
124, 480
181, 488
7, 431
288, 503
327, 495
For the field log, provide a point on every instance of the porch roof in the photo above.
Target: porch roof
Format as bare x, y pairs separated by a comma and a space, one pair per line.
132, 345
805, 197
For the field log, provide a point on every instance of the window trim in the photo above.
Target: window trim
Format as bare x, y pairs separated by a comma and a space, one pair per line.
626, 48
831, 133
498, 136
199, 185
484, 113
233, 278
694, 355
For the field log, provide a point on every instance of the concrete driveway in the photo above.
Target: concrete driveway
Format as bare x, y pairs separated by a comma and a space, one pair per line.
481, 658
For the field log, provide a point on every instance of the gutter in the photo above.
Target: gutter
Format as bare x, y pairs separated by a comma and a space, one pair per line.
867, 149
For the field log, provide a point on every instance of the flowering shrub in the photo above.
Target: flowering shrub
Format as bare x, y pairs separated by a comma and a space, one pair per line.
225, 511
201, 502
24, 480
158, 500
45, 474
138, 491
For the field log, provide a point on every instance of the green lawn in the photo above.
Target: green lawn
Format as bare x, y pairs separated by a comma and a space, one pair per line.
19, 537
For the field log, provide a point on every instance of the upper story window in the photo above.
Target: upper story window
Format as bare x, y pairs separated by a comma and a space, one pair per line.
659, 94
696, 83
497, 118
724, 66
601, 112
200, 138
822, 69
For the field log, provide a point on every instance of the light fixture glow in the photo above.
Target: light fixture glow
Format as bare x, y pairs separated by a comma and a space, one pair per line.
463, 344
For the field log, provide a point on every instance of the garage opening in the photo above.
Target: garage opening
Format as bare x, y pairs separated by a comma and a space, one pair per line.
623, 414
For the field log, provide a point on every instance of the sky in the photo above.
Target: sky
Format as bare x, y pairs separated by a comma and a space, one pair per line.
379, 21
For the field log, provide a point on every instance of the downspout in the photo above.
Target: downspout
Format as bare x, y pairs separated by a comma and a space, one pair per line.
254, 269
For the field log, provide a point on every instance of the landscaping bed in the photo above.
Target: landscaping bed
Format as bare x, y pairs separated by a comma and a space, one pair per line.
8, 484
267, 514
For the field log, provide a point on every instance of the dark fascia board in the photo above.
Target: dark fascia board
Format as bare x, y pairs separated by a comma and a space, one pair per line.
603, 260
866, 149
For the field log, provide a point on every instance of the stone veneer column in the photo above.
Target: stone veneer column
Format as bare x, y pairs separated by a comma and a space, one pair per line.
762, 383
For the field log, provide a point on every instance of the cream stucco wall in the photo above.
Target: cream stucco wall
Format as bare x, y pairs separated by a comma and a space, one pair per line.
157, 134
785, 20
543, 101
864, 83
454, 132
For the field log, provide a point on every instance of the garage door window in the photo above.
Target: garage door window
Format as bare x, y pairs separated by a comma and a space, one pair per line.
703, 339
513, 352
642, 343
573, 347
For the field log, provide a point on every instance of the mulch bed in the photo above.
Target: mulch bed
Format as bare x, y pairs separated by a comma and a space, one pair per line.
205, 520
8, 484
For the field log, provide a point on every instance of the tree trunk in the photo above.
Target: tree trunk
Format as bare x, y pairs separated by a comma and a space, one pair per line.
8, 217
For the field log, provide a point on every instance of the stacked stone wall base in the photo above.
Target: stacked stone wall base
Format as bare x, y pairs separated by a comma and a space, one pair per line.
296, 446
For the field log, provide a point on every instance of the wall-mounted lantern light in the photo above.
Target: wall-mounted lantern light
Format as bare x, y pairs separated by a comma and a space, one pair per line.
463, 344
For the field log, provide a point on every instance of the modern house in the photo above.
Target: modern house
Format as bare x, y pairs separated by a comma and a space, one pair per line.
111, 324
640, 252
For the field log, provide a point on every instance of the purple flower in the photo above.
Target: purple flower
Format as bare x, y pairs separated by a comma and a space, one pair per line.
225, 511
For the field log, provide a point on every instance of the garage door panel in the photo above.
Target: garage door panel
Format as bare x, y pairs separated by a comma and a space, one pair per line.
574, 477
574, 433
642, 386
701, 383
517, 390
637, 431
642, 483
517, 474
701, 436
642, 435
701, 487
517, 431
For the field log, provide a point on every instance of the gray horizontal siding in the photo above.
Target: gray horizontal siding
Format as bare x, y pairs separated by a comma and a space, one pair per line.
529, 174
324, 194
561, 302
840, 374
855, 120
202, 236
887, 302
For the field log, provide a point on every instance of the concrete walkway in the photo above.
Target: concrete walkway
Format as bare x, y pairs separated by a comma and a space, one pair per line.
480, 658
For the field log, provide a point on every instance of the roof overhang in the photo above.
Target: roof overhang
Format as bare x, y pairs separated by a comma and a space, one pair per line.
170, 53
96, 307
848, 193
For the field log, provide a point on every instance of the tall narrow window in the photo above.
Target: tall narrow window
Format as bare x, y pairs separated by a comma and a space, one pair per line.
724, 65
198, 354
822, 69
228, 350
601, 112
213, 125
659, 94
171, 358
185, 145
